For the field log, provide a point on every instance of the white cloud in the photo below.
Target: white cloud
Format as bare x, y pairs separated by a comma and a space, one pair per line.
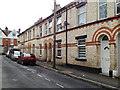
22, 14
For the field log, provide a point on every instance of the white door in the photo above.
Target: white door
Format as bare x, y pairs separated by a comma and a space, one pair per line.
105, 62
118, 54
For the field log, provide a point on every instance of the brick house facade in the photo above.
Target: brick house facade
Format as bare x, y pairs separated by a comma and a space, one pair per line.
93, 36
8, 39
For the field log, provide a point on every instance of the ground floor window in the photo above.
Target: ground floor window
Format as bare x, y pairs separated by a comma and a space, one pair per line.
81, 49
34, 49
40, 49
59, 49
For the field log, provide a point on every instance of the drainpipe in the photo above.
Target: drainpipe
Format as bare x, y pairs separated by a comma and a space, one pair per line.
66, 37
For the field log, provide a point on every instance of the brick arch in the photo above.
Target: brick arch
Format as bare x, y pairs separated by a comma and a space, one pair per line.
50, 41
105, 33
105, 30
45, 42
116, 33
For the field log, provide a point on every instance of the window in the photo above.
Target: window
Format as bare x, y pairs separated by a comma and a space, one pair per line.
33, 33
81, 49
34, 49
13, 34
82, 15
59, 49
46, 28
102, 9
12, 41
117, 7
40, 49
59, 21
40, 31
1, 42
50, 27
30, 34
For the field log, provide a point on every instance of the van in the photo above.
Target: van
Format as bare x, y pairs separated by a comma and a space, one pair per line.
14, 54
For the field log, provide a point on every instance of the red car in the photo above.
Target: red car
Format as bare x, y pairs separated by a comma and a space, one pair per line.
26, 58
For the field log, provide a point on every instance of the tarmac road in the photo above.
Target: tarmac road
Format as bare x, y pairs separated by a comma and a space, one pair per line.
15, 75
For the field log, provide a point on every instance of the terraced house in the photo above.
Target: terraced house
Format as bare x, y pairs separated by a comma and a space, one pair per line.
93, 36
8, 39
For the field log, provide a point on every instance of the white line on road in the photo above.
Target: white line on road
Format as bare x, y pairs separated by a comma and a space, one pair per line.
47, 79
32, 71
39, 75
59, 85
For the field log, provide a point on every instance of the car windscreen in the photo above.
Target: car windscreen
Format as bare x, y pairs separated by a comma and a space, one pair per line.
29, 55
17, 53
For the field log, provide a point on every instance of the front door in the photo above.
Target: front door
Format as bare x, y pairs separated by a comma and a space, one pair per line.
118, 54
105, 62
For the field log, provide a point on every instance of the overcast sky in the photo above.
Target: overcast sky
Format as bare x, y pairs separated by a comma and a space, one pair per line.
22, 14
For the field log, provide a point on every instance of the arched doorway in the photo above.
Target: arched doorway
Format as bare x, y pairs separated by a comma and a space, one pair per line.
50, 50
105, 55
46, 52
118, 51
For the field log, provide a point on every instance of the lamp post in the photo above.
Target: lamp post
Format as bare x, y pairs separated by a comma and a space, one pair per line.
54, 37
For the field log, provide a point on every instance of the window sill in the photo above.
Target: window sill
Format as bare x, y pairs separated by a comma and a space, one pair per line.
78, 59
58, 57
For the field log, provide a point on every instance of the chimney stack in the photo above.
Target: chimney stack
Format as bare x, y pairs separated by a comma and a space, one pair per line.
58, 6
19, 30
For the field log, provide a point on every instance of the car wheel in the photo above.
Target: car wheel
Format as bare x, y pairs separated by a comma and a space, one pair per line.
17, 61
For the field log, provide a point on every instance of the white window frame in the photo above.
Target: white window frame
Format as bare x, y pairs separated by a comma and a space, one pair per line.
59, 23
59, 49
40, 51
83, 45
33, 33
99, 10
116, 3
81, 13
40, 29
50, 27
12, 43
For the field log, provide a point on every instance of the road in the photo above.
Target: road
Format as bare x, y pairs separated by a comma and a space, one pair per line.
26, 76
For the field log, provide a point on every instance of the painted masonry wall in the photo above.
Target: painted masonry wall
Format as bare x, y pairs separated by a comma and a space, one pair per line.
94, 32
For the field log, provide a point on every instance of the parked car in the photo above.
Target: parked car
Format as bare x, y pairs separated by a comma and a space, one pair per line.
14, 53
27, 58
8, 53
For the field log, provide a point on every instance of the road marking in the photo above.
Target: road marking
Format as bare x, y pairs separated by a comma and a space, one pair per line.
14, 80
39, 75
47, 79
59, 85
32, 71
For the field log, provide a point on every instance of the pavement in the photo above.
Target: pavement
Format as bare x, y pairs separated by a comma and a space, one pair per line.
97, 79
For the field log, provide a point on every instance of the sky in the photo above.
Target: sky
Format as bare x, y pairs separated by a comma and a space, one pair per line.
22, 14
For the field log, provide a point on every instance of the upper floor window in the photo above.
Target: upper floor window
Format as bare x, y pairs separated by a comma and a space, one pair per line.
33, 33
102, 9
13, 34
50, 27
59, 24
40, 28
82, 15
30, 34
46, 28
117, 7
12, 42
